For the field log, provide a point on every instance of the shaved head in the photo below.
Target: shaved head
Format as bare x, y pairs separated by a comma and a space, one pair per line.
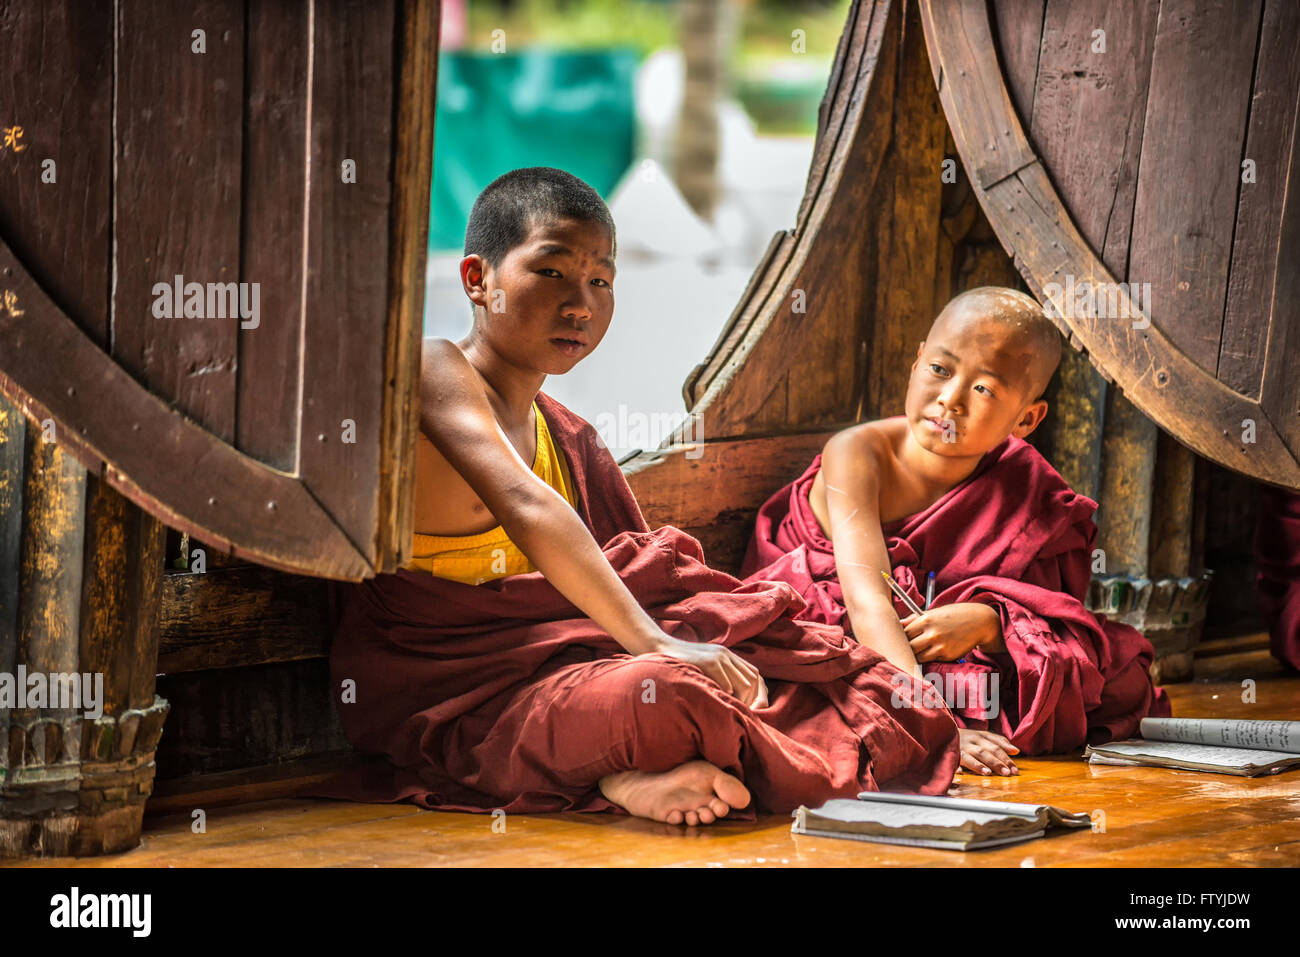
1023, 326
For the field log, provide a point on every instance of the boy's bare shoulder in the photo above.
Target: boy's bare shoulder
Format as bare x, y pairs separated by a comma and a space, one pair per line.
441, 361
450, 383
865, 441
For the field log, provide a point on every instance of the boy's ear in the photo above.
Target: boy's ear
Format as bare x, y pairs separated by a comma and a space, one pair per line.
473, 277
920, 348
1030, 418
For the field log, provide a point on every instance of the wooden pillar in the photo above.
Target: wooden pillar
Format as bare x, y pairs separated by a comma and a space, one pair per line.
79, 593
1175, 612
1172, 509
1128, 460
1148, 530
1073, 431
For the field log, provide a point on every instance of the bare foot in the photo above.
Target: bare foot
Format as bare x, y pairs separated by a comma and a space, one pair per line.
692, 793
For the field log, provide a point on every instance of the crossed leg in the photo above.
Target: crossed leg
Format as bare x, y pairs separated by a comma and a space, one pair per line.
649, 731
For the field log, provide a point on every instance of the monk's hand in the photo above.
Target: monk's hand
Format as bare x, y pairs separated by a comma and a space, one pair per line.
985, 752
729, 671
949, 632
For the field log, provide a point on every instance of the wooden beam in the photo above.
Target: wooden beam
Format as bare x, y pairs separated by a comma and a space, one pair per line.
236, 617
418, 30
713, 490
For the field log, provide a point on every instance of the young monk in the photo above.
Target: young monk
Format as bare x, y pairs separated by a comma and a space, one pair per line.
515, 663
951, 488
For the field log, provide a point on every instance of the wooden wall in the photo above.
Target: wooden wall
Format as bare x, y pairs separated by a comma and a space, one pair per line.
882, 241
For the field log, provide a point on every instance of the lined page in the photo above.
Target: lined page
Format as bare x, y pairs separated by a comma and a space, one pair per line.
1226, 732
1199, 753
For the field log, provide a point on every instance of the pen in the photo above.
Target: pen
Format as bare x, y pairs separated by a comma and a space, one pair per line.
929, 590
902, 595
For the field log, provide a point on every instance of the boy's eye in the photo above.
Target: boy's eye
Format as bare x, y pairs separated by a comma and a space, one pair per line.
547, 269
601, 281
937, 369
987, 390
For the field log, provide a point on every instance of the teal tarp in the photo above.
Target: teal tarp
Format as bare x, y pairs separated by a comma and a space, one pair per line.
498, 112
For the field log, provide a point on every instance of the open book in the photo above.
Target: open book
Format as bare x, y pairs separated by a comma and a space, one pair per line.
1222, 745
957, 824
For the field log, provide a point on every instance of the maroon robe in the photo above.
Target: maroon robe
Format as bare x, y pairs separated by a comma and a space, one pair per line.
503, 695
1013, 536
1277, 566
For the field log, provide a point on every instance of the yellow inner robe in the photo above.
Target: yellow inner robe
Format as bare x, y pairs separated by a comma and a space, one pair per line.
474, 559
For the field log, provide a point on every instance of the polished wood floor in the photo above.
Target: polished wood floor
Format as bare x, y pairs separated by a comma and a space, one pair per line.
1149, 817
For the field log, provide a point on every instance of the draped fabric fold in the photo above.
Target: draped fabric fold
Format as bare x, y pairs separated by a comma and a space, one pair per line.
1016, 537
1277, 562
503, 695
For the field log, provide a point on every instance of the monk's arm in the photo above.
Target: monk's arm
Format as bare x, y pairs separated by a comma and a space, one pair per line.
851, 475
457, 418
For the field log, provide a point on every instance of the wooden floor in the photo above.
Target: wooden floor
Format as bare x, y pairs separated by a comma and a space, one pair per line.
1152, 817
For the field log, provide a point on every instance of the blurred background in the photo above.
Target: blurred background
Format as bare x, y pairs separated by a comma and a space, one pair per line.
694, 120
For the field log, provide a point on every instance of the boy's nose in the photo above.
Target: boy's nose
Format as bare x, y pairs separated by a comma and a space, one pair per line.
950, 400
577, 307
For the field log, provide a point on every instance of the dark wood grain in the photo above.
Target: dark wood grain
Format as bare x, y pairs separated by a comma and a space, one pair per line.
248, 717
194, 196
244, 785
1172, 504
271, 230
417, 79
1280, 390
122, 570
105, 419
351, 117
234, 617
58, 88
1256, 258
1018, 28
1128, 460
1097, 99
107, 626
1192, 144
1155, 374
49, 608
713, 490
998, 153
179, 121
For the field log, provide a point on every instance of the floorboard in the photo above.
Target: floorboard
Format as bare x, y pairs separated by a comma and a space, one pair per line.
1150, 817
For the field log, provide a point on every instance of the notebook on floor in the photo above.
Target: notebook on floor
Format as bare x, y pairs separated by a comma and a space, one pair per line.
920, 820
1246, 747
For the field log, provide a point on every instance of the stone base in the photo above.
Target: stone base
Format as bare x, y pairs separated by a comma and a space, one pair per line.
1170, 613
77, 787
1167, 669
74, 834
